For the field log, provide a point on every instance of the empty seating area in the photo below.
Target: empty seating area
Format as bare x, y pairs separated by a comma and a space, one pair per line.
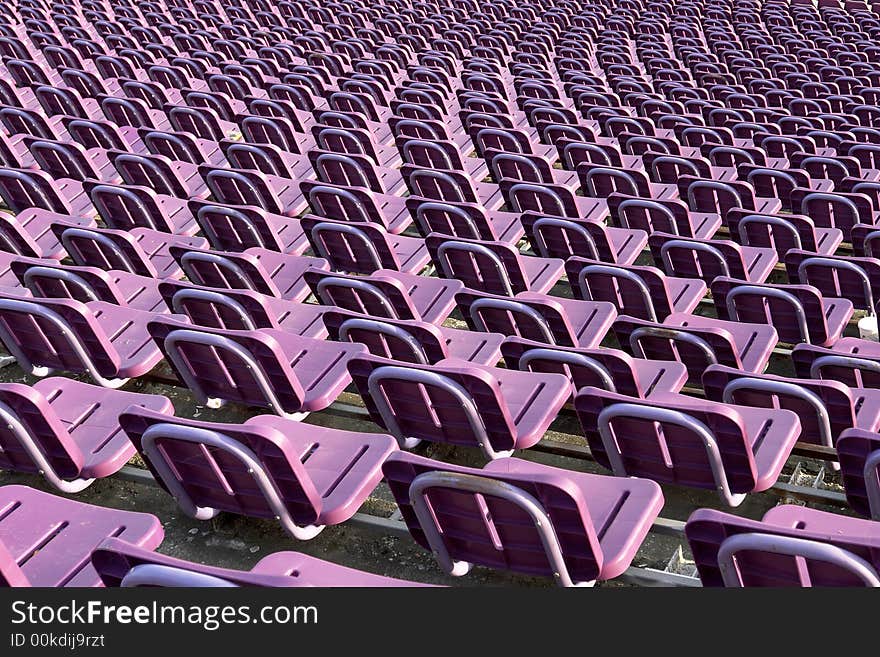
543, 292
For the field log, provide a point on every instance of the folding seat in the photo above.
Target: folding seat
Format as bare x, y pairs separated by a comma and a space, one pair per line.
70, 160
835, 210
344, 203
104, 340
21, 189
428, 129
859, 452
356, 171
157, 172
707, 259
54, 280
386, 294
717, 197
783, 232
290, 374
676, 439
552, 199
103, 134
66, 532
132, 112
62, 101
601, 181
639, 291
57, 428
667, 216
798, 312
562, 237
509, 140
791, 546
520, 494
304, 476
125, 207
138, 251
493, 267
119, 563
440, 154
413, 341
853, 361
28, 233
239, 227
552, 320
606, 368
698, 342
242, 309
451, 187
529, 168
357, 141
359, 247
854, 278
826, 407
457, 402
249, 187
466, 220
261, 270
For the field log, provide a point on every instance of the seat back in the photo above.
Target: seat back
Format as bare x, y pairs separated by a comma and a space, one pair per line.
459, 404
542, 320
124, 207
408, 341
223, 269
341, 203
247, 367
103, 248
61, 159
355, 247
796, 311
241, 187
692, 258
859, 454
634, 290
734, 551
198, 463
847, 365
21, 189
563, 237
490, 266
152, 171
675, 440
853, 278
236, 228
510, 538
376, 296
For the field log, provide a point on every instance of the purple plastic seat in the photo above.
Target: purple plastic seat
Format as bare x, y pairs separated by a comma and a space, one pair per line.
698, 341
29, 233
639, 291
467, 220
783, 232
108, 342
859, 452
602, 367
356, 204
270, 368
495, 267
553, 199
67, 431
798, 312
411, 340
454, 401
304, 476
853, 278
853, 361
672, 438
386, 293
364, 247
356, 171
65, 159
261, 270
120, 563
239, 227
601, 181
596, 523
826, 408
451, 187
140, 251
791, 546
563, 237
242, 309
667, 216
54, 280
46, 540
21, 189
835, 210
443, 155
552, 320
248, 187
708, 259
126, 206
